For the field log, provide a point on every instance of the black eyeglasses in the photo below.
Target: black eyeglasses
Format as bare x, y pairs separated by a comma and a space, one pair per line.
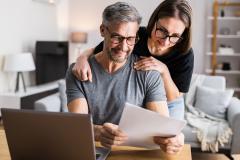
161, 33
116, 39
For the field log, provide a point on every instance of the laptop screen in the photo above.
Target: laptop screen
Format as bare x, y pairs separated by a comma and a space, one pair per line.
49, 135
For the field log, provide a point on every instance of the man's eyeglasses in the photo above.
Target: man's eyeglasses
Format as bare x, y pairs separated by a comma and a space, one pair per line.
163, 34
116, 39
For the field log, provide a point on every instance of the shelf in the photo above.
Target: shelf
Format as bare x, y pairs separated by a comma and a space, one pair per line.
224, 36
218, 71
225, 18
225, 55
223, 30
33, 90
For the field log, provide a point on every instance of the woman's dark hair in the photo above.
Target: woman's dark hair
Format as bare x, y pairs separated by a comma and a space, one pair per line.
174, 8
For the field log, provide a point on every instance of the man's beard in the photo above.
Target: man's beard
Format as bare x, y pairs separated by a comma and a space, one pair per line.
117, 59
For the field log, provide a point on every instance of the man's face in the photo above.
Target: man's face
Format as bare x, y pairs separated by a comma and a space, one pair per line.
119, 40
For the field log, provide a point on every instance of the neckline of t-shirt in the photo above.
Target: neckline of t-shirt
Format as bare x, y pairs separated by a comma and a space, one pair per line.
114, 73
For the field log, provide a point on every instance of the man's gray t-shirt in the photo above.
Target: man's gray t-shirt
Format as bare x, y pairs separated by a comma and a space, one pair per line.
108, 93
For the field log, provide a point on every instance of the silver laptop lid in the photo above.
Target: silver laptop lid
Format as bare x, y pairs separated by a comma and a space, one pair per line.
48, 135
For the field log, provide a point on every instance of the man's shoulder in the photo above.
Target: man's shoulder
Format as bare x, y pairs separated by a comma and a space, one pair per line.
150, 74
69, 70
153, 74
135, 58
70, 77
69, 74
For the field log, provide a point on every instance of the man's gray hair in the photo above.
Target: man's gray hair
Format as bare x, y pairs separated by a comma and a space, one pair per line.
120, 12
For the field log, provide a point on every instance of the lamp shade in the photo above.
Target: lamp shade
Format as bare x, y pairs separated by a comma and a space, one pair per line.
79, 37
19, 62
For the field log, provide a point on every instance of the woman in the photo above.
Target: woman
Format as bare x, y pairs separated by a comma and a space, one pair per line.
165, 46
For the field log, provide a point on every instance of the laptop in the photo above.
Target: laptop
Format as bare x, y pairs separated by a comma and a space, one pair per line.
38, 135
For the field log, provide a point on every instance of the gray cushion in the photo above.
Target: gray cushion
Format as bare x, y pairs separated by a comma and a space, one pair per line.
212, 101
51, 103
62, 95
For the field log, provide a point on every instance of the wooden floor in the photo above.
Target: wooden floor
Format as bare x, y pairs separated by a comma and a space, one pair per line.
208, 156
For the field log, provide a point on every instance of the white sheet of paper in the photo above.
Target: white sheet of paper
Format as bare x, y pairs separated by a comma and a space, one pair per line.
141, 125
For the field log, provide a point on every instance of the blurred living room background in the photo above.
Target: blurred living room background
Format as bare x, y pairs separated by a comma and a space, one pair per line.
25, 22
51, 33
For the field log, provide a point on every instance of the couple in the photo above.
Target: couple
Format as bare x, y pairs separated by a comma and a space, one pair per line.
115, 79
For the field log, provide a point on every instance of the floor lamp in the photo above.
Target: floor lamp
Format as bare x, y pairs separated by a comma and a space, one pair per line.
22, 62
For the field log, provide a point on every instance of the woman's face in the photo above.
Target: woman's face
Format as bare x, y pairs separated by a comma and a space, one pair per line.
167, 32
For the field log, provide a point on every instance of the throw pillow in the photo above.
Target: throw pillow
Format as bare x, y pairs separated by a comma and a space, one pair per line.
62, 95
212, 101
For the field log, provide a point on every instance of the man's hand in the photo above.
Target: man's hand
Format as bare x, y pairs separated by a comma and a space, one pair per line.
110, 135
170, 145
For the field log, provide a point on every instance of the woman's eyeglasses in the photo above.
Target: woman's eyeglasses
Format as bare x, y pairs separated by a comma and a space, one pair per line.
161, 33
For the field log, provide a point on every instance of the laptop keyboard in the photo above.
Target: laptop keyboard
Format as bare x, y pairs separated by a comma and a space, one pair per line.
101, 153
98, 155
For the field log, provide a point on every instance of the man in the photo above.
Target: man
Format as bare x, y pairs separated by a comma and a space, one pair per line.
115, 81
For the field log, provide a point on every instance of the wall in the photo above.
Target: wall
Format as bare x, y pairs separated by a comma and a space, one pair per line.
199, 33
22, 23
62, 20
25, 21
85, 16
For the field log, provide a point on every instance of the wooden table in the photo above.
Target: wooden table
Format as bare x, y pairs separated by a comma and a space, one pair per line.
118, 153
236, 156
209, 156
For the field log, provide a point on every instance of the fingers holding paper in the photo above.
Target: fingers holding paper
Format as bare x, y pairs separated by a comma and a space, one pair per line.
111, 135
170, 145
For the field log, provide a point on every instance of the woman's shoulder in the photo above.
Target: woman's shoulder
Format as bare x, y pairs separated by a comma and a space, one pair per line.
176, 55
189, 54
177, 61
186, 59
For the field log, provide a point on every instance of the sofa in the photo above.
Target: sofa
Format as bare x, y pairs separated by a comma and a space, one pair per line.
57, 103
232, 115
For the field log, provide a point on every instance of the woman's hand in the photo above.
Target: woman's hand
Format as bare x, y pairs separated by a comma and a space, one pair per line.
110, 135
82, 69
170, 145
150, 63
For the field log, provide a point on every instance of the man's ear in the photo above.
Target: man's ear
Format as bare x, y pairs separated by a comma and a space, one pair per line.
102, 28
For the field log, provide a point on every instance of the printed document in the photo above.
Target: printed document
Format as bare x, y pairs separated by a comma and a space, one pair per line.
141, 125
